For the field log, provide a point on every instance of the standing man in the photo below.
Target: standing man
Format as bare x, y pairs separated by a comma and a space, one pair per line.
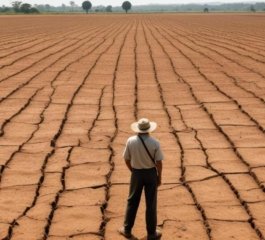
143, 158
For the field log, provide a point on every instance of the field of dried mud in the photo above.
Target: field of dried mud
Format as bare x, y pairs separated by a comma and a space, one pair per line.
70, 86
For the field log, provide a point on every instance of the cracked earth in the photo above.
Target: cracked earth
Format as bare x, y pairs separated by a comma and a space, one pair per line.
70, 86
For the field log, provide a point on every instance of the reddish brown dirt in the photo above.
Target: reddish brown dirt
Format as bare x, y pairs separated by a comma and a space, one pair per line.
71, 85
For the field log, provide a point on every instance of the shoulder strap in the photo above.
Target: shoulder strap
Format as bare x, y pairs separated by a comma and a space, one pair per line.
147, 150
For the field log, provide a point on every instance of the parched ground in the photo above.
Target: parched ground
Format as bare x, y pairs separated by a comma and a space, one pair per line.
70, 86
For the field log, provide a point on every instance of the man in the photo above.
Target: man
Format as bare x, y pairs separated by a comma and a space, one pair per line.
143, 158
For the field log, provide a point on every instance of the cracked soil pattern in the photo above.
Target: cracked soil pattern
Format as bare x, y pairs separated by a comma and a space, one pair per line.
70, 86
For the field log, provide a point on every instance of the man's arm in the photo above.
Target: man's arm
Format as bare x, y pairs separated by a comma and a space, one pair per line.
159, 167
127, 156
128, 164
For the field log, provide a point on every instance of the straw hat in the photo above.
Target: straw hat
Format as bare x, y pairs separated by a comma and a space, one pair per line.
143, 126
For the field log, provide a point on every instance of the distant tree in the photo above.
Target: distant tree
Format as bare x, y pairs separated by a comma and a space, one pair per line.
34, 10
206, 10
86, 5
47, 7
252, 8
16, 6
126, 6
109, 8
72, 4
63, 7
25, 8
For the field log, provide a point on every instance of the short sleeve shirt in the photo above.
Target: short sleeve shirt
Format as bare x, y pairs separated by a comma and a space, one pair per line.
137, 154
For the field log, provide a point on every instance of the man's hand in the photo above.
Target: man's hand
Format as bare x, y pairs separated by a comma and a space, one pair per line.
159, 167
159, 181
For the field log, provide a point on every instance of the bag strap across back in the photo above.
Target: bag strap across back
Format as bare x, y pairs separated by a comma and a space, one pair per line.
147, 150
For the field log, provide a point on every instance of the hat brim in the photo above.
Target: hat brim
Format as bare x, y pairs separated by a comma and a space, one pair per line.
134, 127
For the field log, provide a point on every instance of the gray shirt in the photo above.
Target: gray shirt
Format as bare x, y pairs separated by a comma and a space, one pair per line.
137, 155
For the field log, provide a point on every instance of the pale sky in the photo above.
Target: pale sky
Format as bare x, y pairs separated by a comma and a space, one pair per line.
119, 2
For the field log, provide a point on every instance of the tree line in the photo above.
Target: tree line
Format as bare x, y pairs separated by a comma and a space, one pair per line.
194, 7
126, 6
19, 7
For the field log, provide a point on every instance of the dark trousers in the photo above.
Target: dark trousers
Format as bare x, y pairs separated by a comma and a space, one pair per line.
147, 179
